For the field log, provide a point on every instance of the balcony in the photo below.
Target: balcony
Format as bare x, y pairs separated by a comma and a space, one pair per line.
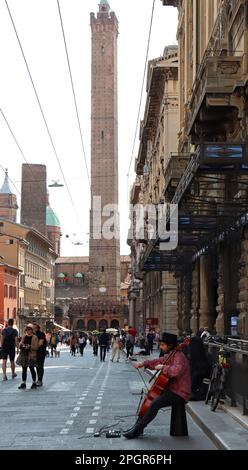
213, 103
174, 171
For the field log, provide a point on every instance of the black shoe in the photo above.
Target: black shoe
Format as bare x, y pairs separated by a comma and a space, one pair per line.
133, 433
33, 385
23, 385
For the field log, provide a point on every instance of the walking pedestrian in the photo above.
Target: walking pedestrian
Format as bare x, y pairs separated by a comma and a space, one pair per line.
129, 344
150, 339
115, 343
73, 342
82, 343
41, 353
94, 340
8, 343
28, 355
54, 340
103, 343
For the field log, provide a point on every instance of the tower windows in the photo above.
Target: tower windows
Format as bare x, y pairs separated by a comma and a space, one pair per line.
102, 135
103, 49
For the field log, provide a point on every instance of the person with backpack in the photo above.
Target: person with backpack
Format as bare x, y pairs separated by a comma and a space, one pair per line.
82, 343
41, 353
8, 343
54, 340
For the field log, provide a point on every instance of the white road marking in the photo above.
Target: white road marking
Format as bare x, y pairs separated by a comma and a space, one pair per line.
64, 431
90, 430
92, 421
95, 414
96, 408
98, 402
77, 408
70, 422
73, 415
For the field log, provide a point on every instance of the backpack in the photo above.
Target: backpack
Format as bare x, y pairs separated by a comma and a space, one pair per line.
9, 341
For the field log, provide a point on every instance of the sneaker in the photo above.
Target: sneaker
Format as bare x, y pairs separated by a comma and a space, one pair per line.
5, 378
23, 385
14, 376
33, 385
39, 383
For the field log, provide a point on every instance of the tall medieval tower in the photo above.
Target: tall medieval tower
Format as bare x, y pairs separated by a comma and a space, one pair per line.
104, 261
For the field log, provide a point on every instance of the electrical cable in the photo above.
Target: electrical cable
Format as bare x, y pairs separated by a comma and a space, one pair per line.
73, 92
142, 87
41, 109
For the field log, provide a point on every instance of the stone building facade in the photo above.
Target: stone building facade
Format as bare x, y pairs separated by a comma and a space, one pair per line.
32, 256
153, 294
208, 178
74, 307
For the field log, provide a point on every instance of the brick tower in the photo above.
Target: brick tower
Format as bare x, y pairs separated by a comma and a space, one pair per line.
104, 261
34, 196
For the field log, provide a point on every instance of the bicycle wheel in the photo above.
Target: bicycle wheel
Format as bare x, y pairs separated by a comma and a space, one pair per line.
218, 389
211, 386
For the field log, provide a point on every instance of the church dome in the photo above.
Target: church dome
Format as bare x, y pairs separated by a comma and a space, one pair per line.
51, 218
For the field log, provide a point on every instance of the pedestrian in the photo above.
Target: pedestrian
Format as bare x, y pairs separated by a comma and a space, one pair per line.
54, 340
8, 343
28, 355
129, 345
150, 339
82, 343
200, 367
103, 343
115, 343
73, 342
41, 353
94, 341
178, 388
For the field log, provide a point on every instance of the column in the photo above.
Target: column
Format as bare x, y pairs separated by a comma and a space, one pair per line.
205, 311
243, 288
220, 320
194, 321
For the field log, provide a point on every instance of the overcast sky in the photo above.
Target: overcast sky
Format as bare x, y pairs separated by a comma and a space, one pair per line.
38, 25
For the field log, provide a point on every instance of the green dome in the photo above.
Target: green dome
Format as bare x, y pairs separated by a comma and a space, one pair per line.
51, 218
104, 2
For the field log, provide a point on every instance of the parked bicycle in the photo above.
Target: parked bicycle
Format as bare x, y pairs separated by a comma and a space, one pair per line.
216, 389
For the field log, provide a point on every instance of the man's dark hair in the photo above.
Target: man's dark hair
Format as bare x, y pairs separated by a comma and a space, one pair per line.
10, 322
37, 325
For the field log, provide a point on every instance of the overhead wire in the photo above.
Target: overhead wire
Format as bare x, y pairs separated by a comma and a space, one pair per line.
142, 86
73, 91
41, 110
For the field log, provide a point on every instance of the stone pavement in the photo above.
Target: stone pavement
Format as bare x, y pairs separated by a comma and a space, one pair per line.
81, 395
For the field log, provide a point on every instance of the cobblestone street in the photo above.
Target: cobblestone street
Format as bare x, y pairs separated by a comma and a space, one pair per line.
81, 395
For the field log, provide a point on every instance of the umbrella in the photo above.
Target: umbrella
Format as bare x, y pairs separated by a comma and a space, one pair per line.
111, 330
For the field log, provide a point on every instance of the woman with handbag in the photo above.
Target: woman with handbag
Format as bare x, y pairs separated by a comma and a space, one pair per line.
28, 355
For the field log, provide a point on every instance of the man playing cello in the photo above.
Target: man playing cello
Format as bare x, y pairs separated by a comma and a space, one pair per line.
174, 366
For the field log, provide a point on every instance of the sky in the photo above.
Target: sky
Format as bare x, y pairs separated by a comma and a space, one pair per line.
38, 26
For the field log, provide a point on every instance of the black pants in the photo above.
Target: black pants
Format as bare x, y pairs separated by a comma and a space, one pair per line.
95, 349
24, 373
103, 349
81, 348
53, 348
40, 366
129, 348
167, 398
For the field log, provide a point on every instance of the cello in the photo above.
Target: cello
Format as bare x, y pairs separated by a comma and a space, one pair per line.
160, 382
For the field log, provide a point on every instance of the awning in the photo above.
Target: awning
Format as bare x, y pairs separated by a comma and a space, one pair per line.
60, 327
